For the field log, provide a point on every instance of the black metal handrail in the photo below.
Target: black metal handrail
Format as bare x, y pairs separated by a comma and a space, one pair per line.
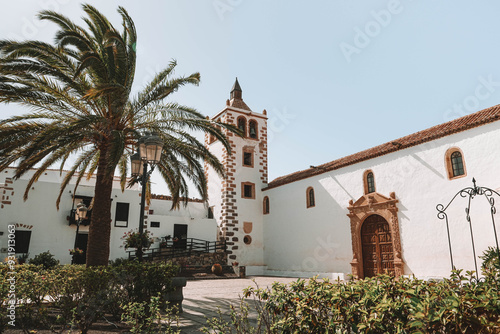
180, 248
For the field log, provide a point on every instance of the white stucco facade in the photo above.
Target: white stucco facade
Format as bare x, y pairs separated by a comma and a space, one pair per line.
50, 228
318, 239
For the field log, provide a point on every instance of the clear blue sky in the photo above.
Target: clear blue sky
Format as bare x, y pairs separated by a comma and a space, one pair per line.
336, 77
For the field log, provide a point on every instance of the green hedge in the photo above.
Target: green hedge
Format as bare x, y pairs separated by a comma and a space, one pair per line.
376, 305
75, 295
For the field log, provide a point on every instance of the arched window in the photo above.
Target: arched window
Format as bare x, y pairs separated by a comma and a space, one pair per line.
455, 163
266, 205
369, 182
242, 125
252, 129
310, 197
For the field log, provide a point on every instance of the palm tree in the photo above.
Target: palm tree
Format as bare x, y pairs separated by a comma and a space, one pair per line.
79, 93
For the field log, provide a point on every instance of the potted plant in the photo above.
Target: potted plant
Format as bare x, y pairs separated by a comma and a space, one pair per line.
164, 241
22, 259
134, 239
240, 271
76, 251
77, 256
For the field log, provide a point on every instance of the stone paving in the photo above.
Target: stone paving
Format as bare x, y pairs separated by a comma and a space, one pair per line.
202, 298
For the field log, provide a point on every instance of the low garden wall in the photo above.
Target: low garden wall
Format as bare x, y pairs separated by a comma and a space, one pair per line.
201, 260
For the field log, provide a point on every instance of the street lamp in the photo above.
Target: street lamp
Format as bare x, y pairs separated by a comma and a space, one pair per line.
81, 214
149, 152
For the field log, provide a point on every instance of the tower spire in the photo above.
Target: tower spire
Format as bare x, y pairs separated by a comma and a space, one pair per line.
236, 92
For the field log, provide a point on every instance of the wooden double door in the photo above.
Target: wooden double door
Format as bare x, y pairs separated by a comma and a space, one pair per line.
376, 239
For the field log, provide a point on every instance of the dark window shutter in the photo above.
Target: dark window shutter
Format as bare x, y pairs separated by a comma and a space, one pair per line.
23, 241
122, 212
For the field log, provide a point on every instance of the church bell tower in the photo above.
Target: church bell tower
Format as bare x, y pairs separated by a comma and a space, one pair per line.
236, 199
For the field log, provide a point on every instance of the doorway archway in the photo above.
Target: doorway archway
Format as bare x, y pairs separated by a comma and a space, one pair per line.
376, 244
377, 232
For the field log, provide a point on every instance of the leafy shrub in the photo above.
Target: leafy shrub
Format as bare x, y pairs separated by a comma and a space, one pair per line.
119, 261
75, 295
376, 305
491, 259
146, 317
4, 294
44, 259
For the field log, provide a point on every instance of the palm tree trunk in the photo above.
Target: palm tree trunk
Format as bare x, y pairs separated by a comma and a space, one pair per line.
100, 225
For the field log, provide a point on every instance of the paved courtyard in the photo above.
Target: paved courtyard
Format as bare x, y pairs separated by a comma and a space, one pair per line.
202, 298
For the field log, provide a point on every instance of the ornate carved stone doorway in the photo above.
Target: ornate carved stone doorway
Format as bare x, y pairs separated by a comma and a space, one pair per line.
376, 239
377, 234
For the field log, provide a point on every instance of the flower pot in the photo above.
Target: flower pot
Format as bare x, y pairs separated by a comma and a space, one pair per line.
217, 269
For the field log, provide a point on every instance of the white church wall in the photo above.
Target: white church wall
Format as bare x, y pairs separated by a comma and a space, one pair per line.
301, 239
318, 239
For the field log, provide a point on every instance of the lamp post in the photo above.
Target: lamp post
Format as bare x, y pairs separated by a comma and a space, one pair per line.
149, 152
81, 214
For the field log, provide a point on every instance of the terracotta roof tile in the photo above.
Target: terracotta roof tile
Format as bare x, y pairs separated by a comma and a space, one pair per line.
238, 103
485, 116
169, 198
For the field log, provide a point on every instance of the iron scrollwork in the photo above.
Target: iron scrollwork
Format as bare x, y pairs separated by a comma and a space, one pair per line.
470, 193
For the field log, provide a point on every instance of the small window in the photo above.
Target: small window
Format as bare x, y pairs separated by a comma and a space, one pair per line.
248, 159
155, 224
369, 182
242, 125
310, 197
455, 164
252, 129
22, 241
247, 190
266, 205
121, 214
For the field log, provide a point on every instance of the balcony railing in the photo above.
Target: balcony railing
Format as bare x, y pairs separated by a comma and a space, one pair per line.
180, 248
